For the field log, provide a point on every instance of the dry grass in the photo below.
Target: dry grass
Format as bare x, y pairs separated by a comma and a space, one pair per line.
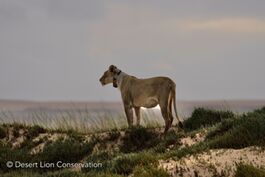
82, 121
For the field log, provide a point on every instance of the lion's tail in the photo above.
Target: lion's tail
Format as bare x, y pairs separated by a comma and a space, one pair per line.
173, 92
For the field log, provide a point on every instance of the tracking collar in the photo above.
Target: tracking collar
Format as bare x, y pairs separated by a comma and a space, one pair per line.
115, 83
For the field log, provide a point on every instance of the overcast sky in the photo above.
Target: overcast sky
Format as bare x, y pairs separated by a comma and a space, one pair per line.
58, 49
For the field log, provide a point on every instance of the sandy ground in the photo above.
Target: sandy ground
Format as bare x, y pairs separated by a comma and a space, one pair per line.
189, 141
215, 162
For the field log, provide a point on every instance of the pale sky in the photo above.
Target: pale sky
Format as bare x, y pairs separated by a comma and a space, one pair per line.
58, 49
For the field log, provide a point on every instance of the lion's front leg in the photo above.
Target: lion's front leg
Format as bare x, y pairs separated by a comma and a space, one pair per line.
129, 114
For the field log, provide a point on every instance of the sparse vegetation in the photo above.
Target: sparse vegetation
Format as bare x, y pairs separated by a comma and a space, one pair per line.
136, 151
179, 153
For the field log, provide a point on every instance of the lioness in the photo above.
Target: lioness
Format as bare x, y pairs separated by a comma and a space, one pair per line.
148, 93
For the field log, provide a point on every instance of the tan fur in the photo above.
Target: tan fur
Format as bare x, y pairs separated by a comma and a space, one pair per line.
148, 93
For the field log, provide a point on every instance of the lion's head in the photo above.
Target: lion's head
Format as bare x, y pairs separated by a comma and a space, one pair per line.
109, 76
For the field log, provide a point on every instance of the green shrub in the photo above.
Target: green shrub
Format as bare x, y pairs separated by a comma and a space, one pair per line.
239, 133
113, 135
149, 171
61, 173
8, 154
222, 128
34, 131
139, 138
172, 138
68, 173
249, 171
21, 174
78, 137
16, 127
126, 163
2, 132
69, 150
202, 117
16, 132
103, 157
29, 144
256, 112
103, 174
64, 173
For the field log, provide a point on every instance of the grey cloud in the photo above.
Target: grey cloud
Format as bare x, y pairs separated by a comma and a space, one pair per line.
11, 10
57, 50
64, 10
77, 9
206, 8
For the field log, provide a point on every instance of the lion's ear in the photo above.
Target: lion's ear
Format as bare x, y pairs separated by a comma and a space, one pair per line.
112, 68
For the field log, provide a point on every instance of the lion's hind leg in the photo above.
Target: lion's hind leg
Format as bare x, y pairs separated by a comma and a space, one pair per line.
164, 112
138, 115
